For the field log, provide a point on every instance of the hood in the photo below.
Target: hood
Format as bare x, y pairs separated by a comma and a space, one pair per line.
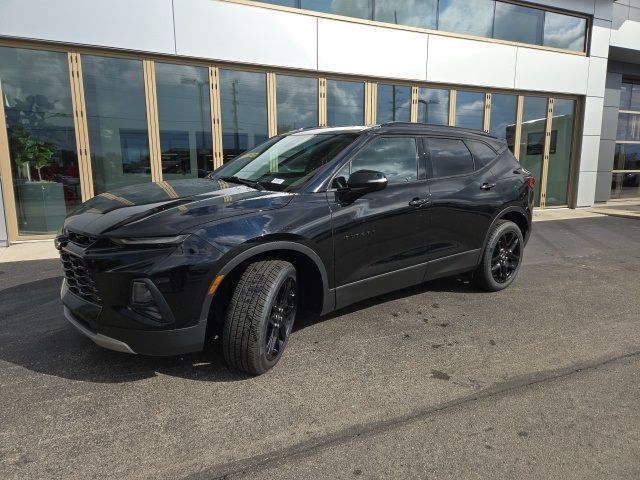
169, 208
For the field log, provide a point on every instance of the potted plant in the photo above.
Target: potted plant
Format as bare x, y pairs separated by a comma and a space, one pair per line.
41, 202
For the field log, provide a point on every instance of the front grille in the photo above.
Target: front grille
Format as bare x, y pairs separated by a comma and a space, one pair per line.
79, 279
81, 239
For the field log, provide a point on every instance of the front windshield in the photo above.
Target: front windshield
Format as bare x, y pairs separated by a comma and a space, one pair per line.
284, 163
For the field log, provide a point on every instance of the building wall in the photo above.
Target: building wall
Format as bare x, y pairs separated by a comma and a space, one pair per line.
624, 43
223, 31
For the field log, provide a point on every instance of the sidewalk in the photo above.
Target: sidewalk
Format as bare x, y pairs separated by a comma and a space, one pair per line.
40, 250
619, 208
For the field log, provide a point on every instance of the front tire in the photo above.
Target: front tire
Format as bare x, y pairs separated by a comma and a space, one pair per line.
501, 258
260, 316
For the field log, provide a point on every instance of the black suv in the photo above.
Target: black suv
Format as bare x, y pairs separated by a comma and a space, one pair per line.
316, 219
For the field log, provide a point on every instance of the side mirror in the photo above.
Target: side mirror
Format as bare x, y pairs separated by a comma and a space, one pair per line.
365, 181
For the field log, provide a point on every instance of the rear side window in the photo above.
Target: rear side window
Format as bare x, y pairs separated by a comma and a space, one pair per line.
449, 157
482, 153
396, 157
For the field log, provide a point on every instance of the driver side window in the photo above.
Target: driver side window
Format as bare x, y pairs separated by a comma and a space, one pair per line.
396, 157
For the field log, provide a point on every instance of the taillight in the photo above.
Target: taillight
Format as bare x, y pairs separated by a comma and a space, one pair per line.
531, 182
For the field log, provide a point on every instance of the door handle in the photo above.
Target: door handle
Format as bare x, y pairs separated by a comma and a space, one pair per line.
487, 186
418, 202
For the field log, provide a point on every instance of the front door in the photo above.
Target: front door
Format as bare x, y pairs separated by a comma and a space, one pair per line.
381, 238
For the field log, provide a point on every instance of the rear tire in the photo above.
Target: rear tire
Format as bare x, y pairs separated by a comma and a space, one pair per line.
501, 258
260, 316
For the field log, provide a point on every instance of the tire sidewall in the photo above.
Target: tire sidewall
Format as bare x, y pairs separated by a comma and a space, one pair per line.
500, 230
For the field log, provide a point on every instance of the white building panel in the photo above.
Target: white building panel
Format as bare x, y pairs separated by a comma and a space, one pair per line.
240, 33
586, 189
143, 25
346, 47
626, 35
593, 116
589, 154
551, 71
470, 62
597, 77
600, 36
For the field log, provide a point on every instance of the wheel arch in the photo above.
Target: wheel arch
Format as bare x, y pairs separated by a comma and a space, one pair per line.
313, 280
516, 215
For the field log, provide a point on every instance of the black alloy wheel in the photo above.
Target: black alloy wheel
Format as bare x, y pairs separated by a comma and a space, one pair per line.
501, 258
506, 257
281, 319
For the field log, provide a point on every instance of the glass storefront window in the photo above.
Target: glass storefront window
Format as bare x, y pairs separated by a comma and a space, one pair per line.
627, 156
184, 116
470, 109
463, 16
394, 103
624, 185
560, 152
564, 31
629, 127
414, 13
243, 98
485, 18
345, 103
348, 8
630, 96
42, 143
503, 117
433, 106
518, 23
534, 121
117, 120
297, 102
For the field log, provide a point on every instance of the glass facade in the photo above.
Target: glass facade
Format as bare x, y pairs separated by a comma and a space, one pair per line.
117, 93
433, 106
462, 16
560, 153
184, 117
42, 143
483, 18
345, 103
413, 13
117, 120
470, 109
626, 165
503, 117
534, 123
518, 23
394, 103
243, 98
297, 102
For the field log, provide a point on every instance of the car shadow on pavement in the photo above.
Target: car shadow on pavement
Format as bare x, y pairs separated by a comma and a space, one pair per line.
35, 335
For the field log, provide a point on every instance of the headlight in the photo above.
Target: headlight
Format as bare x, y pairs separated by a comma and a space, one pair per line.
175, 240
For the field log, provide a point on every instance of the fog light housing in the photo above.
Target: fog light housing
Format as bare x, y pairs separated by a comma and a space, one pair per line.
140, 294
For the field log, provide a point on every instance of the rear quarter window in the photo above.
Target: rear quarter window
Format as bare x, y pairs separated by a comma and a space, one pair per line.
449, 157
482, 153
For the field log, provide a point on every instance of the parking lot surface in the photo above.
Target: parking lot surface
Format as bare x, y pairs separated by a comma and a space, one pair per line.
541, 380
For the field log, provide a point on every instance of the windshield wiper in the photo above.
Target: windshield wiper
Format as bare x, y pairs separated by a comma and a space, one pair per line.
243, 181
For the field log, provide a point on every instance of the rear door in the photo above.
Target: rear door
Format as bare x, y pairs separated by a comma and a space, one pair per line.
463, 201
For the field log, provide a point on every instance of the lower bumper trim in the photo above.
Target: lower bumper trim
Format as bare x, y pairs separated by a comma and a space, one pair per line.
98, 338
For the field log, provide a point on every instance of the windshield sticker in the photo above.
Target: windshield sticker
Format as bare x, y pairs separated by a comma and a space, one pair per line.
278, 180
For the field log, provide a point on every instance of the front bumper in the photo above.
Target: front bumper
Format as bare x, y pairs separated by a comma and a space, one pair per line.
85, 317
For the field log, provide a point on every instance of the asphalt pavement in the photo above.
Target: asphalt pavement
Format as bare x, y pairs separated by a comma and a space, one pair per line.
541, 380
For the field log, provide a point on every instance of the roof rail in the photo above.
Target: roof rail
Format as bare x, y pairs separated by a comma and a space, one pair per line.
430, 125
